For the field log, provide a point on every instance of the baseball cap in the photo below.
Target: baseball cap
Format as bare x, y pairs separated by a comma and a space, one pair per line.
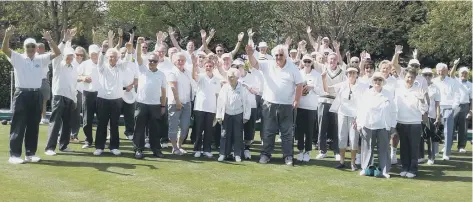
463, 69
262, 44
94, 49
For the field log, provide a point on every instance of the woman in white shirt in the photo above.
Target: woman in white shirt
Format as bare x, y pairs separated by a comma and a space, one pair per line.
375, 116
433, 121
345, 105
410, 105
307, 110
233, 109
205, 107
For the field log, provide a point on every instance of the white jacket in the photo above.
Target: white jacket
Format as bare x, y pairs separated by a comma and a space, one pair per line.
241, 96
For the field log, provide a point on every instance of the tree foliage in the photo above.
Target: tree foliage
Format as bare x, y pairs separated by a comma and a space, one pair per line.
446, 35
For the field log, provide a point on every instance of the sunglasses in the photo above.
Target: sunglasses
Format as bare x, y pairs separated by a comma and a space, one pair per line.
326, 53
219, 51
377, 79
355, 62
427, 75
153, 61
80, 55
30, 46
307, 61
279, 55
415, 65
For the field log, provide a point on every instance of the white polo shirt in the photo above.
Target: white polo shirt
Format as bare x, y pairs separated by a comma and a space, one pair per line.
349, 97
79, 85
465, 91
280, 83
130, 74
45, 69
259, 76
207, 91
250, 81
111, 79
28, 72
449, 92
89, 68
64, 82
165, 66
310, 101
184, 85
149, 86
409, 108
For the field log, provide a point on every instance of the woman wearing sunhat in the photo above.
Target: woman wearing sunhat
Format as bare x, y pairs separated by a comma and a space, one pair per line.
307, 110
375, 116
433, 121
345, 105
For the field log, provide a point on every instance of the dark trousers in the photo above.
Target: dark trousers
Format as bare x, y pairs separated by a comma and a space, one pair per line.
431, 138
305, 128
108, 110
249, 127
217, 135
232, 135
203, 124
76, 117
163, 126
328, 128
128, 111
27, 108
278, 117
193, 121
315, 136
60, 120
459, 122
90, 110
409, 138
259, 113
148, 117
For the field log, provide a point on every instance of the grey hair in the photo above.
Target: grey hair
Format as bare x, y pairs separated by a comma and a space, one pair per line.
276, 49
177, 55
40, 45
112, 51
233, 72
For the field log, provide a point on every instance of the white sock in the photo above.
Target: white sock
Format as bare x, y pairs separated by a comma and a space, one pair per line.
393, 151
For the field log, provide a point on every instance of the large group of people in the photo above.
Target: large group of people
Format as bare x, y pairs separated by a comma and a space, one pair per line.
315, 99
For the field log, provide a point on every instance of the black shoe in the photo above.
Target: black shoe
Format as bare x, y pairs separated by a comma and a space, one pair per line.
340, 166
158, 154
139, 155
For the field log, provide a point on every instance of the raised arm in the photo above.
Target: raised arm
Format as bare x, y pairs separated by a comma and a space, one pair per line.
195, 68
111, 35
237, 46
6, 41
120, 38
315, 44
203, 36
52, 44
211, 36
250, 37
288, 43
454, 68
251, 58
95, 39
395, 60
173, 39
139, 58
362, 63
336, 46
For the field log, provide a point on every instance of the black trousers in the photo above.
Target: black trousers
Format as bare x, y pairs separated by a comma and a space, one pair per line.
409, 138
108, 110
61, 120
203, 124
128, 111
27, 108
193, 135
164, 126
89, 105
328, 128
249, 126
232, 135
76, 116
217, 135
148, 117
259, 113
305, 128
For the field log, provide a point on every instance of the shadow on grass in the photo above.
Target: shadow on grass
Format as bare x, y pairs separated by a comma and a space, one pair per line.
103, 167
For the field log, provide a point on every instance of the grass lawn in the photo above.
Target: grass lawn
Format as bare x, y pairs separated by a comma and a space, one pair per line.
79, 176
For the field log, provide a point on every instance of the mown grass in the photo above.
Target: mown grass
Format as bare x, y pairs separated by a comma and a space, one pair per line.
80, 176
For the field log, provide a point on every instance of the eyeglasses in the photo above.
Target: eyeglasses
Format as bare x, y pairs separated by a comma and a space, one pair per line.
30, 46
326, 53
144, 47
415, 65
307, 61
153, 61
80, 55
355, 62
279, 55
427, 75
218, 51
377, 79
201, 57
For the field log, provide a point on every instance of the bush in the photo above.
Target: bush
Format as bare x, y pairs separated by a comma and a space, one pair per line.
5, 79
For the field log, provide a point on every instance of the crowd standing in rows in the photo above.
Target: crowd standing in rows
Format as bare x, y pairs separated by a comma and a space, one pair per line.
312, 97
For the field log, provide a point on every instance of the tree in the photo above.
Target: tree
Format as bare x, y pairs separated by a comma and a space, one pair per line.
446, 35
